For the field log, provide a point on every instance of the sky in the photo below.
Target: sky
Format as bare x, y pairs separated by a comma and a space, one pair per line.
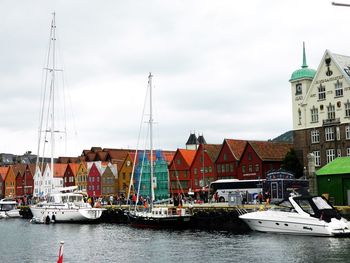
221, 68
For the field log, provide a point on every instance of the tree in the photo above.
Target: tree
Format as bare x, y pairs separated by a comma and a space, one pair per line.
291, 163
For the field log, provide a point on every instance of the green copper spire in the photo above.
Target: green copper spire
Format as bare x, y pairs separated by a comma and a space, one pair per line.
305, 72
304, 57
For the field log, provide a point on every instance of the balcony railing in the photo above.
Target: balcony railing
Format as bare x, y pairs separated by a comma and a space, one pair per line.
330, 122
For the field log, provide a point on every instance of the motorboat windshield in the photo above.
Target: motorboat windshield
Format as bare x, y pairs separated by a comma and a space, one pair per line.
318, 207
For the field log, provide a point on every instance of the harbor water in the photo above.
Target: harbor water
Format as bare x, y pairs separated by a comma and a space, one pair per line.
22, 241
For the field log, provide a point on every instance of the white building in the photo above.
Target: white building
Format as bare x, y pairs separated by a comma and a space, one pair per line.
321, 109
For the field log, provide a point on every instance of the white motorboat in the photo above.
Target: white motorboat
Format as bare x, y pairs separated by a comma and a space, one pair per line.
8, 208
65, 205
299, 215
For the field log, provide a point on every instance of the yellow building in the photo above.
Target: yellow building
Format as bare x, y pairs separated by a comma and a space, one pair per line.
124, 175
81, 177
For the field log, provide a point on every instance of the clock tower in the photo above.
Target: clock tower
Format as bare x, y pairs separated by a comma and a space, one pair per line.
300, 80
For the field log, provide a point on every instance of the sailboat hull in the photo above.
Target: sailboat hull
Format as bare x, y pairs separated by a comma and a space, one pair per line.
161, 217
180, 222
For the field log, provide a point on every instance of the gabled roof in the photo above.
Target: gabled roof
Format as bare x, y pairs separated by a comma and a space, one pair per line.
188, 155
59, 169
3, 172
237, 147
271, 151
101, 156
340, 165
74, 167
19, 169
212, 150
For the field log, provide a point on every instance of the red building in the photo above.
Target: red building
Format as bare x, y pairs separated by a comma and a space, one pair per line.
94, 179
70, 174
180, 172
29, 179
203, 166
19, 170
228, 159
3, 174
259, 157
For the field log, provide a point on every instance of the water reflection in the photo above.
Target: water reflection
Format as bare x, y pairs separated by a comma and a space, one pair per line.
26, 242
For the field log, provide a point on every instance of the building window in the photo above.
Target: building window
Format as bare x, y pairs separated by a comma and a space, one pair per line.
195, 171
347, 109
249, 156
243, 168
330, 155
331, 112
231, 168
314, 114
338, 152
218, 167
317, 158
225, 157
223, 168
347, 151
178, 161
329, 132
298, 89
250, 168
338, 89
321, 92
257, 168
315, 136
347, 132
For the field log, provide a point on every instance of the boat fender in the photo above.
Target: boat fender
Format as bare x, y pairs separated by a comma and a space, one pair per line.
47, 220
53, 218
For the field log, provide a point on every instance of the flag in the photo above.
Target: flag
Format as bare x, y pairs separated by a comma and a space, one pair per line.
60, 253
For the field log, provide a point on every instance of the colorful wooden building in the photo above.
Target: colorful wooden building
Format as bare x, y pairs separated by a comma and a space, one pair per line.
228, 159
124, 175
81, 177
3, 173
260, 157
19, 170
10, 183
203, 166
108, 179
94, 170
180, 171
69, 177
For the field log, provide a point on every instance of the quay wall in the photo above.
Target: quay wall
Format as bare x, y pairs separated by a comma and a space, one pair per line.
216, 217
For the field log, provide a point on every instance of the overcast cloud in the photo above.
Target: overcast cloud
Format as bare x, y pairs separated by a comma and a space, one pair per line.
220, 68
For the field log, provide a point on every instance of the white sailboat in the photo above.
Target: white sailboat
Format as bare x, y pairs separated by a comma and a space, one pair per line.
61, 204
157, 216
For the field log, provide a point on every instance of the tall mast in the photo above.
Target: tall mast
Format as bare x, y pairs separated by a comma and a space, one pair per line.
52, 88
151, 134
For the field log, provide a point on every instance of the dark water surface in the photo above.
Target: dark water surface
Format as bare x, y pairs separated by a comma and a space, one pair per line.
22, 241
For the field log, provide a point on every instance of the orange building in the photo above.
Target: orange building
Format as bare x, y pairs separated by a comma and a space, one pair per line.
10, 183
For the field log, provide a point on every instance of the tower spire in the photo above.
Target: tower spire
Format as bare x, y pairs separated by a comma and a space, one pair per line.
304, 57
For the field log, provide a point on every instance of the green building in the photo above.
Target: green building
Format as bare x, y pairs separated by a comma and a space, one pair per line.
160, 176
333, 180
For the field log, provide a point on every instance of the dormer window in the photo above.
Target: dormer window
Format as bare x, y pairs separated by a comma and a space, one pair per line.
298, 89
321, 92
338, 89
